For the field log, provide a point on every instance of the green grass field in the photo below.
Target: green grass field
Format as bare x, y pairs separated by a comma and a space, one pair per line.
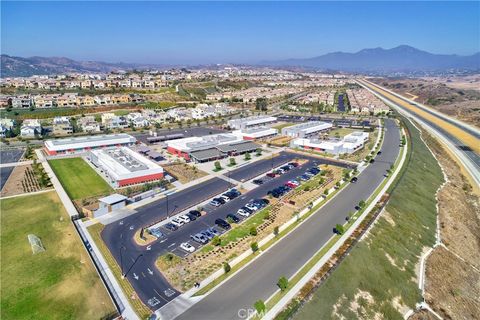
78, 178
60, 283
381, 268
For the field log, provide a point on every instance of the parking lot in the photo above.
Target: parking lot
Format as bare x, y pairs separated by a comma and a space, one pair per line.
8, 156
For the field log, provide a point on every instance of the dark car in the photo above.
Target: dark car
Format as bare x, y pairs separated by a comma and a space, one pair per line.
271, 175
354, 179
235, 192
294, 164
258, 181
222, 224
379, 152
372, 160
220, 200
233, 217
265, 201
195, 213
171, 227
285, 168
246, 209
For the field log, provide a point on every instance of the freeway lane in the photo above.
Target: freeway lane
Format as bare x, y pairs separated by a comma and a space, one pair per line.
466, 154
258, 279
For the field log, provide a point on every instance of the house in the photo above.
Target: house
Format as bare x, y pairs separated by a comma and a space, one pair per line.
66, 100
21, 102
85, 101
137, 120
111, 121
62, 126
88, 124
30, 127
120, 98
44, 101
102, 100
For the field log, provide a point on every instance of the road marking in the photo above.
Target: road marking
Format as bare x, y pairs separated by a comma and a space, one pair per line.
160, 295
153, 301
135, 276
172, 244
149, 247
150, 271
169, 292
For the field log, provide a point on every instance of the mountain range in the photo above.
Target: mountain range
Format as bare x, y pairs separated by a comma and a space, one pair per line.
377, 60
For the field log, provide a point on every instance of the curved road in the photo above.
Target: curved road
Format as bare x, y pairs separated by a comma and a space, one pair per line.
258, 279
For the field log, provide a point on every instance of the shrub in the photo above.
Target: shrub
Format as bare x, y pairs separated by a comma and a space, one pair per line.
340, 229
307, 188
226, 267
259, 306
253, 231
216, 241
232, 161
248, 156
282, 283
254, 247
266, 216
217, 165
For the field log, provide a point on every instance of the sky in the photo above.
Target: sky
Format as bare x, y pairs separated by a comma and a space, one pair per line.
236, 32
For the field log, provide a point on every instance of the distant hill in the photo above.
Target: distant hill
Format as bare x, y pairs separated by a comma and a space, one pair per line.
399, 59
23, 67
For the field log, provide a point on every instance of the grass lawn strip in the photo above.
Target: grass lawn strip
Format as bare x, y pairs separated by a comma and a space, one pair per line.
387, 258
59, 283
78, 179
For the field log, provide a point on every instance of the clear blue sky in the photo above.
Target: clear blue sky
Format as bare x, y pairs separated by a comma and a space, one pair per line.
211, 32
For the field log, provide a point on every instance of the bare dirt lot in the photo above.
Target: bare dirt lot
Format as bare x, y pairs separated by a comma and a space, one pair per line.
22, 180
453, 96
184, 172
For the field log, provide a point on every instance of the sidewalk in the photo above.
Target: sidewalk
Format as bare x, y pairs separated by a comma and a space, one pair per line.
127, 312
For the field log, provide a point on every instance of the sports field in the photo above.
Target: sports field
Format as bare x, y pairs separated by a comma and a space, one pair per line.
59, 283
78, 179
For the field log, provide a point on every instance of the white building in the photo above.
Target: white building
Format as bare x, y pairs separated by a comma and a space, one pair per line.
30, 127
87, 143
256, 133
250, 122
137, 120
124, 166
303, 130
349, 144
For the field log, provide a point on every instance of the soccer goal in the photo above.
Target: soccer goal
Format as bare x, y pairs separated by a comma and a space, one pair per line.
35, 243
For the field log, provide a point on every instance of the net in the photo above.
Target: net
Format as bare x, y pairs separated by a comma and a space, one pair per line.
36, 244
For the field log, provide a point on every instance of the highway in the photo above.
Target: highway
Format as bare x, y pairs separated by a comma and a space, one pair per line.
139, 263
461, 139
258, 279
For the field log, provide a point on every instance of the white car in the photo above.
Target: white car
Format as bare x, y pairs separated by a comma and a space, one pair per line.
177, 222
251, 206
243, 213
224, 197
184, 218
187, 247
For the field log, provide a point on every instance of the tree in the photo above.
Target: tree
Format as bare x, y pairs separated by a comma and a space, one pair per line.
361, 204
226, 267
339, 229
282, 283
216, 241
217, 165
261, 104
276, 231
337, 184
325, 192
254, 247
253, 231
248, 156
232, 161
259, 305
259, 152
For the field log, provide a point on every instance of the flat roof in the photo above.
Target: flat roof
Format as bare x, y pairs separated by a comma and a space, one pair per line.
206, 154
89, 142
113, 198
239, 147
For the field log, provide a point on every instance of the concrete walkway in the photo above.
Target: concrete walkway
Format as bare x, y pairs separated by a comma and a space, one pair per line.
16, 164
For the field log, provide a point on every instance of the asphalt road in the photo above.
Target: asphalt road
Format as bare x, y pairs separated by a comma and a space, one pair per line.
258, 280
139, 263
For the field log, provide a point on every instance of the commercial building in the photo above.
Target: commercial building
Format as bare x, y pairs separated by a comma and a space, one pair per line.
84, 144
251, 122
349, 144
123, 166
307, 129
256, 133
211, 147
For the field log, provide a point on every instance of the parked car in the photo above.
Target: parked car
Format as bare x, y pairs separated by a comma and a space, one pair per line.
354, 179
258, 181
156, 233
222, 224
235, 192
304, 177
200, 238
219, 199
187, 247
214, 231
233, 217
215, 203
192, 217
195, 213
225, 198
285, 168
243, 212
251, 206
177, 222
271, 175
171, 226
184, 218
207, 234
294, 164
